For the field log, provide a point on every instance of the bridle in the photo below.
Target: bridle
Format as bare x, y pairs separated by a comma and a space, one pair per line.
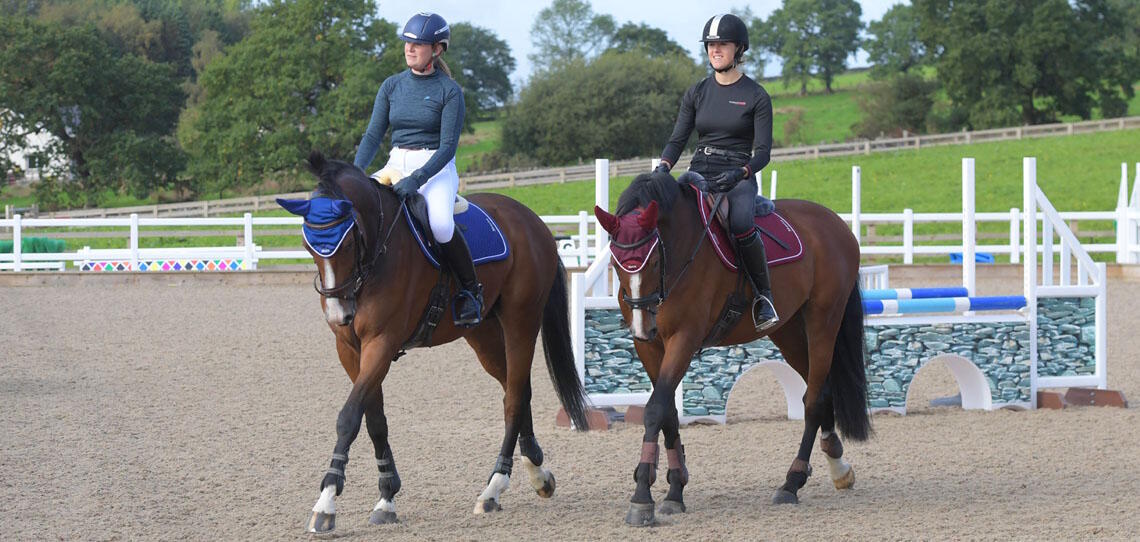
654, 300
362, 270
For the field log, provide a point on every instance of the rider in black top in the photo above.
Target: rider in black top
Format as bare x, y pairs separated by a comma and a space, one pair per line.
733, 117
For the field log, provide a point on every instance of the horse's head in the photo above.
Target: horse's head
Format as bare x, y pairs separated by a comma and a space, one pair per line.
340, 231
637, 248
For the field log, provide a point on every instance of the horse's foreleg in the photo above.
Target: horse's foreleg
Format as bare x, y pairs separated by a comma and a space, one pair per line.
678, 473
375, 359
660, 415
385, 509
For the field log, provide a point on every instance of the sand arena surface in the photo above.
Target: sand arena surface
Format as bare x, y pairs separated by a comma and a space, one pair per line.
195, 411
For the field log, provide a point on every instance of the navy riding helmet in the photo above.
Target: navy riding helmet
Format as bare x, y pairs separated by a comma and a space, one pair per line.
427, 28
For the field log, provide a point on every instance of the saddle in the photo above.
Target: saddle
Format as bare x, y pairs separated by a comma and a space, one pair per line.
390, 176
782, 244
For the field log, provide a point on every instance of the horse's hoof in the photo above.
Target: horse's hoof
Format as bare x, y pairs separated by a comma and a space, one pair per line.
847, 481
382, 517
547, 489
784, 496
640, 515
484, 507
322, 523
669, 508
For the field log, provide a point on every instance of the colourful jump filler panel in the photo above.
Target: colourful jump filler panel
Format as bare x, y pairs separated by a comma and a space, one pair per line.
186, 264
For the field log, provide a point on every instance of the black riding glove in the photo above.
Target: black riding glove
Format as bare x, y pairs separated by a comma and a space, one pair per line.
724, 181
406, 188
663, 167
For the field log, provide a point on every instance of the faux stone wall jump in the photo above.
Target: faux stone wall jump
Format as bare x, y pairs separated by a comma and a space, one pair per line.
1066, 340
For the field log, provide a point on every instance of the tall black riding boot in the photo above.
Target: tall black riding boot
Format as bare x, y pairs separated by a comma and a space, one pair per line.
467, 306
756, 263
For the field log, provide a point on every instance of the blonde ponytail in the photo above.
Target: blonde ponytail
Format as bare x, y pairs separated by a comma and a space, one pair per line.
442, 66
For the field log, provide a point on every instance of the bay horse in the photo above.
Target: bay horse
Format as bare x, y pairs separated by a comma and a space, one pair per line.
672, 306
375, 285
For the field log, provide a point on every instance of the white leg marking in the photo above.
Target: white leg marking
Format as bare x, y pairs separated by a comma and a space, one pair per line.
495, 488
326, 504
837, 467
334, 310
385, 505
538, 475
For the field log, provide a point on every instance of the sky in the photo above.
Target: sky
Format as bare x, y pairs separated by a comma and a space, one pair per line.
681, 19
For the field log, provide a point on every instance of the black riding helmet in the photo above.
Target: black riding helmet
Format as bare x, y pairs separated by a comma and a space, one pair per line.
727, 28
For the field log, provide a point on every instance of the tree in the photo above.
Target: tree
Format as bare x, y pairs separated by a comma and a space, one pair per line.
653, 41
754, 59
1027, 61
482, 65
813, 37
110, 115
568, 30
903, 102
895, 47
305, 77
620, 105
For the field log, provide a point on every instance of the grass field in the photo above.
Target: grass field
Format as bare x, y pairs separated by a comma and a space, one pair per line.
1077, 172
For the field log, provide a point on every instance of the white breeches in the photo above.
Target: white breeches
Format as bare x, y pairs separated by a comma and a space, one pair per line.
439, 191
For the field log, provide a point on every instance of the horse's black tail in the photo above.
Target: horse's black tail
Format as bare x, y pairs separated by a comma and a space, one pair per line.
560, 352
848, 376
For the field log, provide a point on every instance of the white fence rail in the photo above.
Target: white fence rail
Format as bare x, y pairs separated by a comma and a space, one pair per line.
580, 240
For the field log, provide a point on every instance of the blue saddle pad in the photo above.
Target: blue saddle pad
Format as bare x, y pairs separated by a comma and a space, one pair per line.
483, 236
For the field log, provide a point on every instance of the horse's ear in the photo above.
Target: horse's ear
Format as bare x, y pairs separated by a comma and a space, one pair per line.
299, 207
341, 207
609, 222
648, 218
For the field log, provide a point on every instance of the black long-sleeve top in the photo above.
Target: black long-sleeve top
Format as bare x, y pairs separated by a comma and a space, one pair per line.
736, 117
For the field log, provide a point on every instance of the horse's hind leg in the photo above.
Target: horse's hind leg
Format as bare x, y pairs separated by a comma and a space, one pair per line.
385, 509
812, 359
541, 479
507, 357
842, 474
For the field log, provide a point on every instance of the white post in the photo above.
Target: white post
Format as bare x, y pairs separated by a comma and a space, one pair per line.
1101, 322
1029, 266
1014, 235
17, 243
1046, 251
1123, 222
578, 324
908, 236
772, 186
583, 239
760, 183
248, 264
134, 242
968, 227
602, 200
1134, 205
856, 202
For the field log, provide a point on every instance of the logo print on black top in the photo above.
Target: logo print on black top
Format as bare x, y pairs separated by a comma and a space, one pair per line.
737, 103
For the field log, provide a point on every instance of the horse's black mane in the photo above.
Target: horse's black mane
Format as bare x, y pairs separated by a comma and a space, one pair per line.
329, 171
647, 187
